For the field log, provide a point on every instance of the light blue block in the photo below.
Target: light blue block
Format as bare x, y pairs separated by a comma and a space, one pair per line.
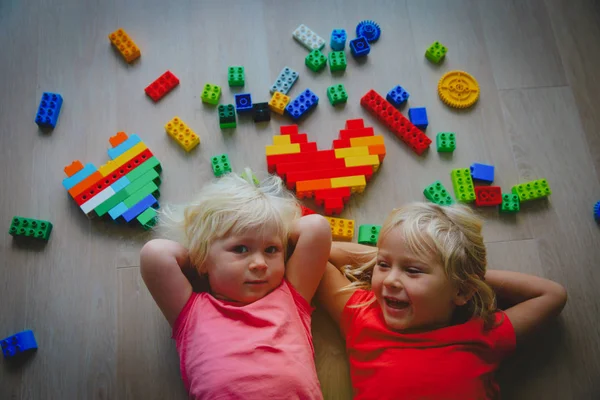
117, 210
120, 184
123, 147
71, 181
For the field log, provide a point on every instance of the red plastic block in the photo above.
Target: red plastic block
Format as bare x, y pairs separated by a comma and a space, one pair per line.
395, 121
72, 169
311, 156
355, 123
335, 193
306, 211
285, 168
334, 206
299, 138
341, 143
353, 133
297, 176
288, 129
310, 146
488, 195
163, 85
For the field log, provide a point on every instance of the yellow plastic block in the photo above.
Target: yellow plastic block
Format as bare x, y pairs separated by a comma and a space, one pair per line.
127, 47
182, 134
110, 166
352, 152
278, 102
282, 139
356, 183
366, 141
341, 229
272, 150
363, 160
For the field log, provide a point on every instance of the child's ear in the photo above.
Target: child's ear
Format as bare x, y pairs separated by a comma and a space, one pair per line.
463, 295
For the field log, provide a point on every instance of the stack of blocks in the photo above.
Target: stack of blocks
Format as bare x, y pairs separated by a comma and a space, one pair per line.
341, 229
125, 188
48, 110
330, 176
368, 234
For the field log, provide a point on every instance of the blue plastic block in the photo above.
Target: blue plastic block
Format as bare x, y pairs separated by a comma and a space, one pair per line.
359, 47
48, 110
117, 211
140, 207
597, 211
338, 39
120, 184
123, 147
243, 102
18, 343
418, 116
397, 96
80, 175
482, 172
302, 104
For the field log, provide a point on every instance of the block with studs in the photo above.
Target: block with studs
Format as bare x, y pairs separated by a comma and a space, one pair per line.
436, 52
278, 102
510, 203
532, 190
341, 229
211, 94
368, 234
446, 142
315, 60
29, 227
463, 185
227, 116
261, 112
337, 61
182, 134
437, 193
236, 76
337, 94
221, 165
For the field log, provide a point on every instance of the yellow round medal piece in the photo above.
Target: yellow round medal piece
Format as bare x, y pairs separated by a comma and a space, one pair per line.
458, 89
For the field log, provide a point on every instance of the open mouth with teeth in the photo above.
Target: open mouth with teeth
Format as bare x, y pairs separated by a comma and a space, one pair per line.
395, 303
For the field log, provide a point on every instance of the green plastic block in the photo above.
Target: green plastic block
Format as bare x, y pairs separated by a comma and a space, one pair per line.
235, 76
463, 185
436, 52
134, 198
221, 165
135, 185
211, 94
510, 203
152, 164
337, 61
29, 227
227, 116
315, 60
368, 234
532, 190
148, 218
446, 142
437, 193
337, 94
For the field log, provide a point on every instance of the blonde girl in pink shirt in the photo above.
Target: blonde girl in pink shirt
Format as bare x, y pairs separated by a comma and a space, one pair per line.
248, 336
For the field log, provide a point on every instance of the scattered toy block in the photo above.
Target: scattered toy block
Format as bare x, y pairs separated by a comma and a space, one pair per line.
315, 60
510, 203
211, 94
125, 45
304, 35
341, 229
243, 102
338, 39
418, 116
302, 104
261, 112
182, 134
359, 47
221, 165
397, 96
532, 190
236, 76
370, 30
463, 185
437, 193
597, 211
161, 86
337, 94
284, 82
48, 110
488, 196
445, 142
482, 172
368, 234
306, 211
436, 52
278, 102
18, 344
227, 116
337, 61
29, 227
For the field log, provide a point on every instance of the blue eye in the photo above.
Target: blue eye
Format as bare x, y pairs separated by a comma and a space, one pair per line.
240, 249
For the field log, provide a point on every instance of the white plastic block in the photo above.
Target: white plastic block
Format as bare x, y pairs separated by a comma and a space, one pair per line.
308, 38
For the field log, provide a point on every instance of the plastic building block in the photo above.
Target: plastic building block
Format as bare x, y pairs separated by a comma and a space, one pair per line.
28, 227
211, 94
463, 185
315, 60
532, 190
308, 38
446, 142
48, 110
337, 94
458, 89
359, 47
482, 172
488, 195
163, 85
122, 147
284, 82
127, 47
236, 76
221, 165
341, 229
306, 211
597, 211
18, 343
337, 61
227, 116
368, 234
418, 116
243, 102
302, 104
370, 30
182, 134
278, 102
397, 96
148, 218
510, 203
138, 208
261, 112
436, 52
338, 39
437, 193
395, 121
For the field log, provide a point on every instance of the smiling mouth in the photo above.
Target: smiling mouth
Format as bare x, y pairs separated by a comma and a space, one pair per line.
395, 303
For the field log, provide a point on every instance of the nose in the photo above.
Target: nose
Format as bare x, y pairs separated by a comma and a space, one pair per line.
393, 280
258, 263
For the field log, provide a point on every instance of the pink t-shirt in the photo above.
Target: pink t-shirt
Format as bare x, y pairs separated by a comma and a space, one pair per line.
262, 350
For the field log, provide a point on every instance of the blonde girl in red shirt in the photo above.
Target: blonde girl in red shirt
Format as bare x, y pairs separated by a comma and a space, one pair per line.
419, 312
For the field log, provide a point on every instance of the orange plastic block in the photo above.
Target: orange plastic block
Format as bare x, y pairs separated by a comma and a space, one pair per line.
315, 184
72, 169
182, 134
378, 150
84, 184
127, 47
119, 138
341, 229
278, 102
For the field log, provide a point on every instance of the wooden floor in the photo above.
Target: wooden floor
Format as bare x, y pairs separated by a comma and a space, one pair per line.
101, 336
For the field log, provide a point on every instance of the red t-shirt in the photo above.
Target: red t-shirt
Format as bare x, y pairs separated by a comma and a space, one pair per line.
456, 362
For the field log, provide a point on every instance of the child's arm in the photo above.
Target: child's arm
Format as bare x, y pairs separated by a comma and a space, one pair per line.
329, 295
347, 253
536, 300
161, 262
311, 239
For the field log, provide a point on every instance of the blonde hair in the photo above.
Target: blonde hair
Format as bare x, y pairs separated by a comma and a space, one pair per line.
230, 205
453, 234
